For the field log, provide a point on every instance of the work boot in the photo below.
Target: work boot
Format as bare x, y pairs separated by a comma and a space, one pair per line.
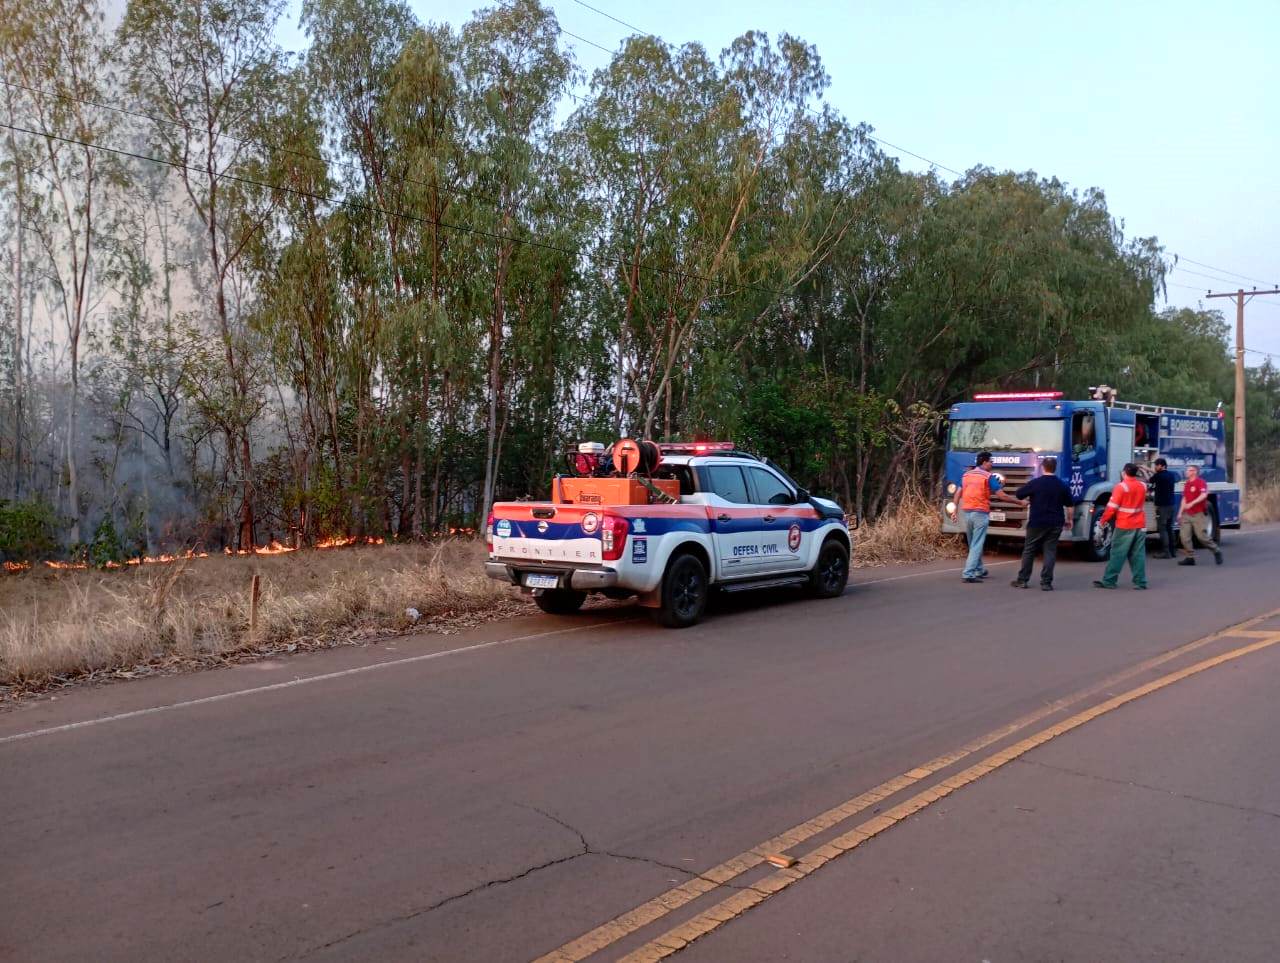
1188, 561
1018, 583
1098, 583
1217, 557
1046, 587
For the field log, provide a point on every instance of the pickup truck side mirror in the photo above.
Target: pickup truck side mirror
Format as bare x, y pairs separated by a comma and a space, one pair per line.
802, 495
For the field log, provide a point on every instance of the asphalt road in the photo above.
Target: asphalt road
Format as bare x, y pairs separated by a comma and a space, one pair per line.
503, 793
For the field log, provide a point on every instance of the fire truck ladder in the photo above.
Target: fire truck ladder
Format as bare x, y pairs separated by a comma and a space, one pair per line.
1162, 410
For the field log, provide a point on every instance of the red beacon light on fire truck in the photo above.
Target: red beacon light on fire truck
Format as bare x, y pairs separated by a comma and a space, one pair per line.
1017, 396
694, 447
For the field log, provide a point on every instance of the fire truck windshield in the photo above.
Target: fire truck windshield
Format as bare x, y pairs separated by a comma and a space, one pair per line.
1031, 435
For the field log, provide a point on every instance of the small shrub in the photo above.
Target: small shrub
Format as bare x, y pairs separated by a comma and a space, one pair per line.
27, 531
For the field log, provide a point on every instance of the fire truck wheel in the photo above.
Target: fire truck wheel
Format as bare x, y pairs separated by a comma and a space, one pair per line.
1098, 547
829, 576
560, 601
1215, 530
684, 592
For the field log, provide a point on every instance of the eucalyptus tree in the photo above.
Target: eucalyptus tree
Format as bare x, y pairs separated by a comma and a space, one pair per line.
207, 67
678, 148
58, 52
513, 74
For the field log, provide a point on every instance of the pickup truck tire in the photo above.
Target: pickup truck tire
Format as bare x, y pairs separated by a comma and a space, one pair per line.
560, 601
684, 592
829, 576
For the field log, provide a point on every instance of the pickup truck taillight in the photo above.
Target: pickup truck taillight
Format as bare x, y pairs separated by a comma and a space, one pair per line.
488, 533
613, 537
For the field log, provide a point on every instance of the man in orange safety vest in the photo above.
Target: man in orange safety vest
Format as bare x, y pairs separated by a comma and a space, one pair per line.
1129, 541
978, 486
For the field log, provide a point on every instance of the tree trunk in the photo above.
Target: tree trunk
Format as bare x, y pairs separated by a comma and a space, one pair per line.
18, 254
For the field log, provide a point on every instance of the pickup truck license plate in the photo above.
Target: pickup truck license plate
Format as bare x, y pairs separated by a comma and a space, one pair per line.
541, 581
997, 516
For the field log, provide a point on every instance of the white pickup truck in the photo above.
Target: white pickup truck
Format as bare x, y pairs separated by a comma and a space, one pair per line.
739, 523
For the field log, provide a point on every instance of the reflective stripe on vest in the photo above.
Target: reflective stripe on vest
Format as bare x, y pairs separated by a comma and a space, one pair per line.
1129, 490
975, 490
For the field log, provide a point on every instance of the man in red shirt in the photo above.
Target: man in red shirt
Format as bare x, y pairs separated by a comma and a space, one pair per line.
1194, 518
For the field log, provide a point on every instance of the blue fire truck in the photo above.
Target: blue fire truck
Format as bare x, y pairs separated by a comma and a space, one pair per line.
1092, 441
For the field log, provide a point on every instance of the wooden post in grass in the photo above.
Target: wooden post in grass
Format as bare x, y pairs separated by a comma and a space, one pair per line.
255, 594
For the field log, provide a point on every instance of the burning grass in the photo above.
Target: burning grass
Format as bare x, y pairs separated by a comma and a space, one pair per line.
59, 625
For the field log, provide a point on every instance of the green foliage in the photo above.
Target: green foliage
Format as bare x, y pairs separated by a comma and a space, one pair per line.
421, 279
106, 546
28, 531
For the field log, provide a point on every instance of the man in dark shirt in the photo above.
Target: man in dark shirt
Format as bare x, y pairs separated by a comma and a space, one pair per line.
1048, 495
1161, 485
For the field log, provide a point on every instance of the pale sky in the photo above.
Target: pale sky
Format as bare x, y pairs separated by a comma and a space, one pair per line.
1170, 107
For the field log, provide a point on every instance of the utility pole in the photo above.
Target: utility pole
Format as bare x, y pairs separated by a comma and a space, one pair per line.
1241, 297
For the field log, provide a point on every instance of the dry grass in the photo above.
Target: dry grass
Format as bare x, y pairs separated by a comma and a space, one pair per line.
909, 534
62, 626
1263, 503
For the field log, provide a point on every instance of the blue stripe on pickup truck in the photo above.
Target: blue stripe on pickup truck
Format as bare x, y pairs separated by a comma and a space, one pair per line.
665, 524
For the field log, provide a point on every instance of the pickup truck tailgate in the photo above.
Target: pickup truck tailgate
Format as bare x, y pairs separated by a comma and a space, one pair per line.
540, 533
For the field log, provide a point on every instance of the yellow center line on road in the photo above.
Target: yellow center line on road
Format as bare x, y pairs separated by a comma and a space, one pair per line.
608, 933
681, 936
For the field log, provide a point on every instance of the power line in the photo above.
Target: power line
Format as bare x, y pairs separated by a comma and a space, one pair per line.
1222, 270
1199, 274
879, 140
629, 26
386, 212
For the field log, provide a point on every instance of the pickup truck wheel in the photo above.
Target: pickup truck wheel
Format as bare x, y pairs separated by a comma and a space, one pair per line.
560, 601
684, 592
829, 576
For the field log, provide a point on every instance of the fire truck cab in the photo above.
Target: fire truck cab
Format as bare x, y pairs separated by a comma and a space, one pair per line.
682, 521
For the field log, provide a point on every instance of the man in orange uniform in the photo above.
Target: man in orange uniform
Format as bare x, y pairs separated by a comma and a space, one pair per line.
978, 486
1129, 541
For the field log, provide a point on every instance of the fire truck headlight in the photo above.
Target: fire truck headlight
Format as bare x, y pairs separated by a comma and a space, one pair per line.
951, 488
951, 508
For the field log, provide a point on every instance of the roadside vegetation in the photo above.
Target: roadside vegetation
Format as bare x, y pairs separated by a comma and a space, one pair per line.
364, 290
1263, 503
65, 625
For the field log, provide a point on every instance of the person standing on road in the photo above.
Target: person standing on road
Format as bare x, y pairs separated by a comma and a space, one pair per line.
1129, 541
1161, 486
1049, 496
1193, 518
978, 486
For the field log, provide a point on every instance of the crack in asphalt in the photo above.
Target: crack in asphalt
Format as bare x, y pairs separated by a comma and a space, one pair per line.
586, 850
589, 850
1159, 789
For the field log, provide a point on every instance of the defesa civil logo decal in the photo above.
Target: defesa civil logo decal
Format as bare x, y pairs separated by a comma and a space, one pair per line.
793, 537
590, 522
